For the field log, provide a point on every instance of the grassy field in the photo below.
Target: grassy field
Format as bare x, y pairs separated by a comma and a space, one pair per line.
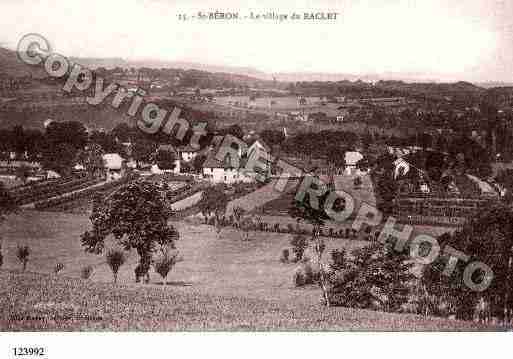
222, 283
34, 301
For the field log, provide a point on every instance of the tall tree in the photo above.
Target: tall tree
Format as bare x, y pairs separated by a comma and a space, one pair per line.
214, 202
303, 209
137, 217
143, 151
488, 238
92, 159
165, 159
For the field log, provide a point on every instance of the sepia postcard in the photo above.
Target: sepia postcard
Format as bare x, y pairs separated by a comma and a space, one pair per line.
261, 166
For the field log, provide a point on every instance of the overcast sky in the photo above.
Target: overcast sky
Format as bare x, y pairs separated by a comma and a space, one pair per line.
450, 39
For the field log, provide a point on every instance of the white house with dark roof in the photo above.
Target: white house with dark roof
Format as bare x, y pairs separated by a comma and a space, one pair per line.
218, 171
188, 153
351, 158
115, 166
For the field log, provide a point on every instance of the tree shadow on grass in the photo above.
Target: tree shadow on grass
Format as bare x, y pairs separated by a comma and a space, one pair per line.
175, 283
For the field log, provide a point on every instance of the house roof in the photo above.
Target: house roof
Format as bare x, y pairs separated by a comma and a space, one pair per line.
264, 145
188, 148
213, 162
167, 148
352, 157
113, 161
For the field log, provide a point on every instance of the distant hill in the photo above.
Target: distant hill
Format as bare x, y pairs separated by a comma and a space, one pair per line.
11, 66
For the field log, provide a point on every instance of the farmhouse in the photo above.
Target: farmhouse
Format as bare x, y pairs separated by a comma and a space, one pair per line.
351, 158
188, 153
115, 166
223, 171
219, 171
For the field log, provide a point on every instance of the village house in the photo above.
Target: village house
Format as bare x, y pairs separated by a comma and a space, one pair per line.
351, 159
188, 153
115, 166
223, 171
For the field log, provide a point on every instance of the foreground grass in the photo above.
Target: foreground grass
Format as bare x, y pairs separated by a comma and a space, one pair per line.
31, 301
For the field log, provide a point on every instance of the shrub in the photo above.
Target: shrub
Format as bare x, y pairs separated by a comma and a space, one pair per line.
290, 228
373, 277
164, 264
23, 253
348, 232
357, 182
299, 279
115, 259
58, 267
308, 272
299, 243
284, 256
1, 259
86, 272
142, 269
338, 259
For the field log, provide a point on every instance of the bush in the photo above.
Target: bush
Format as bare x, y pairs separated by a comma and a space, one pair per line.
23, 253
86, 272
115, 259
1, 259
373, 277
308, 272
299, 279
284, 256
290, 228
338, 258
299, 243
164, 264
58, 267
348, 232
357, 182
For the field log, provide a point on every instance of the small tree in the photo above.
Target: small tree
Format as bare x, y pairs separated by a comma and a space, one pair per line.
23, 253
58, 267
357, 182
285, 255
303, 208
23, 172
238, 214
214, 201
92, 159
115, 259
165, 159
299, 244
86, 272
164, 263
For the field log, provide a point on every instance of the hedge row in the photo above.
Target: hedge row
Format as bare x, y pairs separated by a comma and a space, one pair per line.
343, 233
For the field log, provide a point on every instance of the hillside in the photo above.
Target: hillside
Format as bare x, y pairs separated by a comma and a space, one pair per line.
33, 301
11, 66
